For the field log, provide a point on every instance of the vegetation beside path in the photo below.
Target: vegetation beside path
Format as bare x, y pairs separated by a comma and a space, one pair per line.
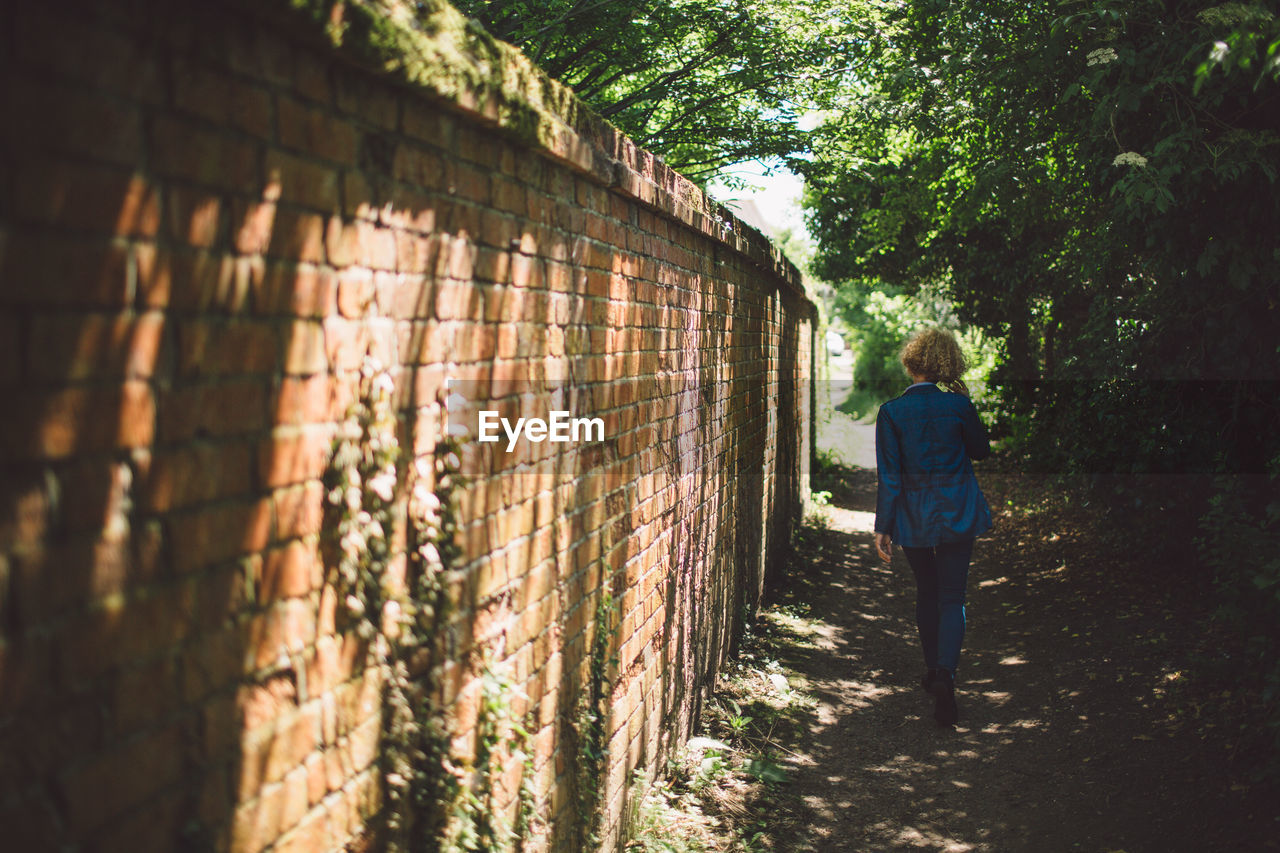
1092, 718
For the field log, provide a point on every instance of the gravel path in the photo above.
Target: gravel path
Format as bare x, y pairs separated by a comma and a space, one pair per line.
1065, 740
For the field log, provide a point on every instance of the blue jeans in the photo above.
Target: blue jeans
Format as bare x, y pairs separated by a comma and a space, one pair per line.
942, 572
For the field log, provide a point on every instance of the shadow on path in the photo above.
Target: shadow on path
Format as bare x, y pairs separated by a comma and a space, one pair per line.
1061, 681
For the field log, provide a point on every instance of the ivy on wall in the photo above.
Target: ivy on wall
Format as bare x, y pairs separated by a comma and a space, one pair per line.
397, 604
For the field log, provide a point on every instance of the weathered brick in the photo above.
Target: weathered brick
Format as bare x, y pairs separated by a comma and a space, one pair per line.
252, 223
424, 120
160, 825
95, 346
212, 410
54, 424
509, 195
224, 593
57, 117
65, 576
305, 349
368, 100
317, 784
342, 240
293, 455
290, 571
119, 778
304, 182
73, 47
299, 510
39, 268
196, 474
360, 242
355, 293
295, 806
358, 199
297, 400
194, 216
334, 663
221, 98
296, 291
363, 743
311, 76
181, 149
257, 52
103, 199
311, 834
346, 342
297, 236
411, 209
271, 636
470, 183
200, 281
415, 255
96, 497
420, 166
216, 348
211, 535
145, 696
257, 823
212, 663
262, 703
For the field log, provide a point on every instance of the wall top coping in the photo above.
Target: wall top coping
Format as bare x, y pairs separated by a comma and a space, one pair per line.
431, 47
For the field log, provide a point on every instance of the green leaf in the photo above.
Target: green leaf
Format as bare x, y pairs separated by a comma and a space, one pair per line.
766, 771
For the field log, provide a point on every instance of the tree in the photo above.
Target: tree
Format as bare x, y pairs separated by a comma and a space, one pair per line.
704, 83
1096, 185
1095, 182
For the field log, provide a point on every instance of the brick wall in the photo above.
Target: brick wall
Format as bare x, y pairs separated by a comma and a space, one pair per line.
209, 216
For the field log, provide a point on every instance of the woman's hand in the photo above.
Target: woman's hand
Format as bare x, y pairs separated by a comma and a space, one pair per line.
884, 546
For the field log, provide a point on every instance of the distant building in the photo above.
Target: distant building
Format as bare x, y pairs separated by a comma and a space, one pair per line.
748, 211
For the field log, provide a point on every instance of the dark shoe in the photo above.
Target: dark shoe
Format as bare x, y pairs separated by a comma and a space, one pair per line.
943, 689
927, 680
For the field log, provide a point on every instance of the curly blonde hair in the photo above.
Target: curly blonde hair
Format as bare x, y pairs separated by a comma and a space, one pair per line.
935, 354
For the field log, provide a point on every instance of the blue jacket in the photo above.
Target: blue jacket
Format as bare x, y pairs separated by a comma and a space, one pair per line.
927, 493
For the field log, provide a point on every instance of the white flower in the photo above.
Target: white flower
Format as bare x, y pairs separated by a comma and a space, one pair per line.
1102, 56
384, 383
352, 543
1219, 52
384, 484
1129, 158
354, 497
391, 618
355, 606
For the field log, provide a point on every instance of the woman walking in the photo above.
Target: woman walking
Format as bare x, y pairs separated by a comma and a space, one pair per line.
928, 500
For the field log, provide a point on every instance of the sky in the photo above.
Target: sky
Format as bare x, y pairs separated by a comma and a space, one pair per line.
777, 195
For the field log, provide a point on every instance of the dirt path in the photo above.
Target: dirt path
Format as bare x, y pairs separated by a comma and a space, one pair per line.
1066, 741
